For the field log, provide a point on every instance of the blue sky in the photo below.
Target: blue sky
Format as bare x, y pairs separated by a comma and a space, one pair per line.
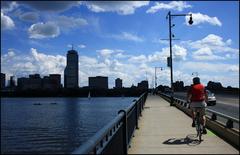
122, 39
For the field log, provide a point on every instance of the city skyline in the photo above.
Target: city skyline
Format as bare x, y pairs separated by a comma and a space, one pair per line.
117, 41
53, 81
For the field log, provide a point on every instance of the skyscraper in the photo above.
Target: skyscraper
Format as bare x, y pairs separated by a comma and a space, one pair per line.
71, 70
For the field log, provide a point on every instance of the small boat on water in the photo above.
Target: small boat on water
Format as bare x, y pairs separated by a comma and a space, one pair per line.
89, 95
37, 104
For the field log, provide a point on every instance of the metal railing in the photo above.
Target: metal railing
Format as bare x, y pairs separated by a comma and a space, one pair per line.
115, 137
213, 114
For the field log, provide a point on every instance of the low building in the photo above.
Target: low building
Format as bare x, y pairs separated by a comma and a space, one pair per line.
12, 82
35, 82
98, 82
143, 85
3, 80
52, 82
118, 83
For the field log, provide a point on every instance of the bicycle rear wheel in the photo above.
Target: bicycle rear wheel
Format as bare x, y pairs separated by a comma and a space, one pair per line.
200, 134
199, 128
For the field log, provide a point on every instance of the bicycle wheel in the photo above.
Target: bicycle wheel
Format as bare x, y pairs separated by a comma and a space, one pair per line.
200, 134
198, 127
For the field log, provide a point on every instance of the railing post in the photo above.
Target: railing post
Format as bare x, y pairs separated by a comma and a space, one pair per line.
171, 101
214, 117
140, 107
229, 124
125, 131
136, 106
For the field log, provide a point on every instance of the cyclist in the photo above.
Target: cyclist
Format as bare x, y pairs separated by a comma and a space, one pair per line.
197, 97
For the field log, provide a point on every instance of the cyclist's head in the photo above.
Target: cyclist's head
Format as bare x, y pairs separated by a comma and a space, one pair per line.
196, 80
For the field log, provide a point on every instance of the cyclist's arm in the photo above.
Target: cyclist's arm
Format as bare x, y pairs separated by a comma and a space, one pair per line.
189, 95
206, 95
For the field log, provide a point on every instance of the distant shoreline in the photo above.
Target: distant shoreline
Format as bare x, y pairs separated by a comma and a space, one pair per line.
122, 92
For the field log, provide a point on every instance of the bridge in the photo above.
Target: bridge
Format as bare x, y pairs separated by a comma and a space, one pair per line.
151, 126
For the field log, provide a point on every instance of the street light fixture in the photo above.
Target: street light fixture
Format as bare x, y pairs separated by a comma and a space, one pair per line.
190, 22
169, 17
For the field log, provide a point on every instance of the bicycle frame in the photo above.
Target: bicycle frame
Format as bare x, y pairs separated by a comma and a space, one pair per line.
198, 124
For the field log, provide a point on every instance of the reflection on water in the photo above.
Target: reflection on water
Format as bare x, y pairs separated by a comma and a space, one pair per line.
54, 128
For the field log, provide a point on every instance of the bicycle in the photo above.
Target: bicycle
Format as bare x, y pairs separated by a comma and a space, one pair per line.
198, 124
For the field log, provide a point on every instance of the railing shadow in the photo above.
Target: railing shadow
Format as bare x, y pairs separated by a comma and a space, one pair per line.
190, 140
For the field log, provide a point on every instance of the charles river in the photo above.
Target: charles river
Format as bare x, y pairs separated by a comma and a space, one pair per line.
54, 125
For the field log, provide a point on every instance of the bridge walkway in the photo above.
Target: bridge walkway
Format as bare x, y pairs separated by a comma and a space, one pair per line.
164, 129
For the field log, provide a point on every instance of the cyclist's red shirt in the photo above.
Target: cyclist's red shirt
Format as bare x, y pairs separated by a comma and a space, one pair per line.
198, 92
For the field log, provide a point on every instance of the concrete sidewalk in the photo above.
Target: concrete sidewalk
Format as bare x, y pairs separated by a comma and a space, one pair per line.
167, 130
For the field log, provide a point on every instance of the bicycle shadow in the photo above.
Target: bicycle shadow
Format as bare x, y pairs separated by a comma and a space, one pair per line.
190, 140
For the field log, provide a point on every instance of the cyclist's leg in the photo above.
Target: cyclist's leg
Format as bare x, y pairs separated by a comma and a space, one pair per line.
203, 117
193, 110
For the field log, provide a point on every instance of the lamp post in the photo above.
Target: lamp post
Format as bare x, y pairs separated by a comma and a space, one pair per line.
156, 75
169, 17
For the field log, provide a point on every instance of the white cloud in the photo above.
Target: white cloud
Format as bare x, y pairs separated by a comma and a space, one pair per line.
215, 43
210, 48
208, 67
47, 64
82, 46
122, 8
29, 16
43, 30
66, 22
6, 22
35, 62
128, 36
11, 53
105, 53
199, 18
233, 68
179, 54
174, 5
8, 6
121, 56
206, 53
229, 42
138, 59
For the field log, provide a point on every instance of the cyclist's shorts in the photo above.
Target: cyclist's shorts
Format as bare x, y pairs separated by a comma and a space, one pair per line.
196, 105
201, 110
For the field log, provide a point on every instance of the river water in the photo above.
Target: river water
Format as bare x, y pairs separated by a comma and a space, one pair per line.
54, 125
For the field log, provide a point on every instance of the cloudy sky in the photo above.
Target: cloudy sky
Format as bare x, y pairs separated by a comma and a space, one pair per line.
122, 39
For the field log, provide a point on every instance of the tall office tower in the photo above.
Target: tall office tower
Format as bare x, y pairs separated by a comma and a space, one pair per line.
71, 70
